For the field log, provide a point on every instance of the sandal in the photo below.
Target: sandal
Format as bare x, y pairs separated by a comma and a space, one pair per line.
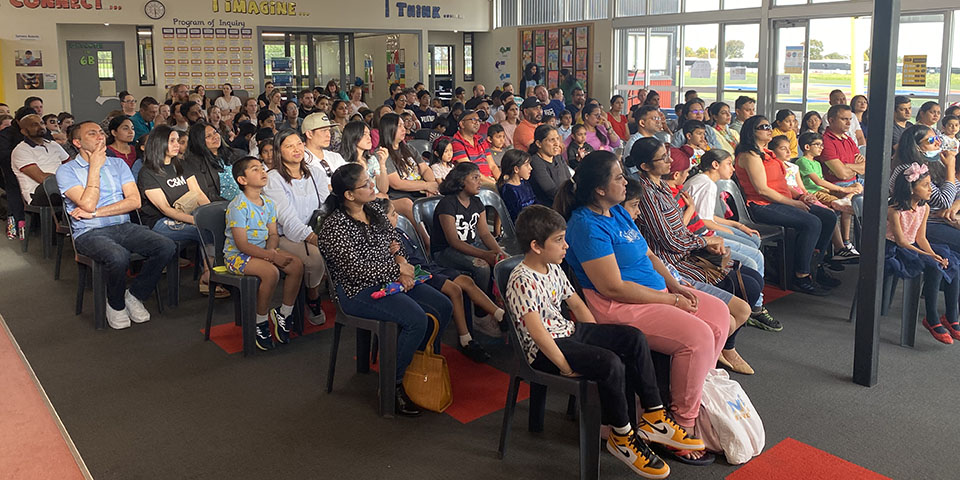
682, 455
219, 292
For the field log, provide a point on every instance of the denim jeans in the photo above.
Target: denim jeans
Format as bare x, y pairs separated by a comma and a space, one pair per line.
746, 249
178, 232
112, 247
408, 310
814, 228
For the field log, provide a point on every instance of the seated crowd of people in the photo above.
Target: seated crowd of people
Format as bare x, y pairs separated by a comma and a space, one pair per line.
628, 203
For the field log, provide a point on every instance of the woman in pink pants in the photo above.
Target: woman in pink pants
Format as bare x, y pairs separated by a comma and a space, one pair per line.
625, 283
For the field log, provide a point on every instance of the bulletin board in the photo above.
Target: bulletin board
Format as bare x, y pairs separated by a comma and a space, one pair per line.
209, 57
557, 48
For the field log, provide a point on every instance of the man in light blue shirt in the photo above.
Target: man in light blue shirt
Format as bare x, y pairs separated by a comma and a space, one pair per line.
99, 192
143, 120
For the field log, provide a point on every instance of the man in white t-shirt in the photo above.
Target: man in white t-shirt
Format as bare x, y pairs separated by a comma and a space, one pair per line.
34, 159
317, 128
837, 97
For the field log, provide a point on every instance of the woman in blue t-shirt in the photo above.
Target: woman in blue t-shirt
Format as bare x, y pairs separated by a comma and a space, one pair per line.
625, 283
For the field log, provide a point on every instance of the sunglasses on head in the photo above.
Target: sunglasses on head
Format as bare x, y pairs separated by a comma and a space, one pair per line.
764, 126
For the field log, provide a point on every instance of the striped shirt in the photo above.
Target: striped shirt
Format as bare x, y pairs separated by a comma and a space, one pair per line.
476, 151
661, 223
113, 176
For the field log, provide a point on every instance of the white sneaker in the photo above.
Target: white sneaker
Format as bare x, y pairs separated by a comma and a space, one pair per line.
135, 309
117, 319
487, 325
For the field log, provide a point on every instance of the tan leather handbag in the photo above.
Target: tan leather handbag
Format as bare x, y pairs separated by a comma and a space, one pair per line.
427, 379
187, 203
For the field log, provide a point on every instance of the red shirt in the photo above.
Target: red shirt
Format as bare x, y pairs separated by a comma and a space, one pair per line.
695, 225
837, 147
129, 158
476, 152
776, 179
619, 126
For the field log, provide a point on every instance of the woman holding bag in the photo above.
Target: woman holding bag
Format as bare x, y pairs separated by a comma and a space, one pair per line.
298, 189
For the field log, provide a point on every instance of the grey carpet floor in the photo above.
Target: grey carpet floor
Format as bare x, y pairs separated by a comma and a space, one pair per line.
155, 401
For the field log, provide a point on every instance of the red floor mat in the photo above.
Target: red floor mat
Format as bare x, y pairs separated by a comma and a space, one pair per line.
794, 460
228, 337
478, 388
771, 293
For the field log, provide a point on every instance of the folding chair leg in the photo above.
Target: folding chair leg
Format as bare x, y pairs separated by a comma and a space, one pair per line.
46, 230
363, 351
156, 292
248, 315
784, 270
56, 268
206, 331
508, 410
911, 308
173, 281
589, 435
572, 407
375, 349
81, 286
27, 226
99, 298
388, 368
853, 306
889, 287
538, 407
337, 327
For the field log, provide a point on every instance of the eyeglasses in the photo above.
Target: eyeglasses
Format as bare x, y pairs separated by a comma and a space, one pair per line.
665, 158
816, 144
696, 111
129, 101
471, 119
764, 126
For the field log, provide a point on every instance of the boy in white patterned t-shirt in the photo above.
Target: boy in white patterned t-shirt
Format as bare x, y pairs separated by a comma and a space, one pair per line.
602, 353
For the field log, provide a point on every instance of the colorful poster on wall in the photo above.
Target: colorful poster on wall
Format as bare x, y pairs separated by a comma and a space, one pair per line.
553, 60
566, 56
553, 38
526, 57
538, 38
553, 79
566, 37
49, 81
540, 56
582, 37
914, 71
29, 81
28, 58
581, 59
793, 59
527, 40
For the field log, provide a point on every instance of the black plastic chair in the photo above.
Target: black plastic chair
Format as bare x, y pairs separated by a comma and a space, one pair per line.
584, 392
85, 264
912, 288
60, 228
387, 333
508, 236
423, 210
774, 236
45, 215
211, 223
422, 147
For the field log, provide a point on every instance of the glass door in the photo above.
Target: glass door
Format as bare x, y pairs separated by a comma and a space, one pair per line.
316, 58
789, 84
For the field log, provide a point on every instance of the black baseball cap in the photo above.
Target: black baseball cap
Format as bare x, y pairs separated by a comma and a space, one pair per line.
531, 102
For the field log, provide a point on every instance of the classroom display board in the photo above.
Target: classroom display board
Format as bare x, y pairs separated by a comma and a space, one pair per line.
209, 57
555, 49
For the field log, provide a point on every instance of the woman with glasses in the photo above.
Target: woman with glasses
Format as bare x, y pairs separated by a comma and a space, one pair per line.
693, 110
600, 133
128, 103
769, 199
362, 250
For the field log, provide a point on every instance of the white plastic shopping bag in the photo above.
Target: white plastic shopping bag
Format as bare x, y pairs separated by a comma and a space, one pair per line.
727, 421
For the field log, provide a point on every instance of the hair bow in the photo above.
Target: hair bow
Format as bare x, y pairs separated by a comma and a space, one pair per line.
914, 171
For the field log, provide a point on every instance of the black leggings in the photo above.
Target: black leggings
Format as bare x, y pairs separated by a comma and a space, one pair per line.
617, 357
752, 287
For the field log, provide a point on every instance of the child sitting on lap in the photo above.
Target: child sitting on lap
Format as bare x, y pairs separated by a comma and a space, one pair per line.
452, 284
617, 357
251, 249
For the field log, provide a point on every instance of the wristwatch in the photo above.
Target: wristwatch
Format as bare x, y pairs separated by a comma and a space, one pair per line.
94, 214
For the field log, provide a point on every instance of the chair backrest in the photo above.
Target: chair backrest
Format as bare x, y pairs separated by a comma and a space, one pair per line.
211, 221
490, 198
730, 187
423, 210
421, 146
411, 232
501, 274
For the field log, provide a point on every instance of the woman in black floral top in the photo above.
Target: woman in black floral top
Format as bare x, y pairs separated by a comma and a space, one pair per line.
357, 241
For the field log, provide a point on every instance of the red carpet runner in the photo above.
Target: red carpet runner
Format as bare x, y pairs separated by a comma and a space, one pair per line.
31, 444
794, 460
